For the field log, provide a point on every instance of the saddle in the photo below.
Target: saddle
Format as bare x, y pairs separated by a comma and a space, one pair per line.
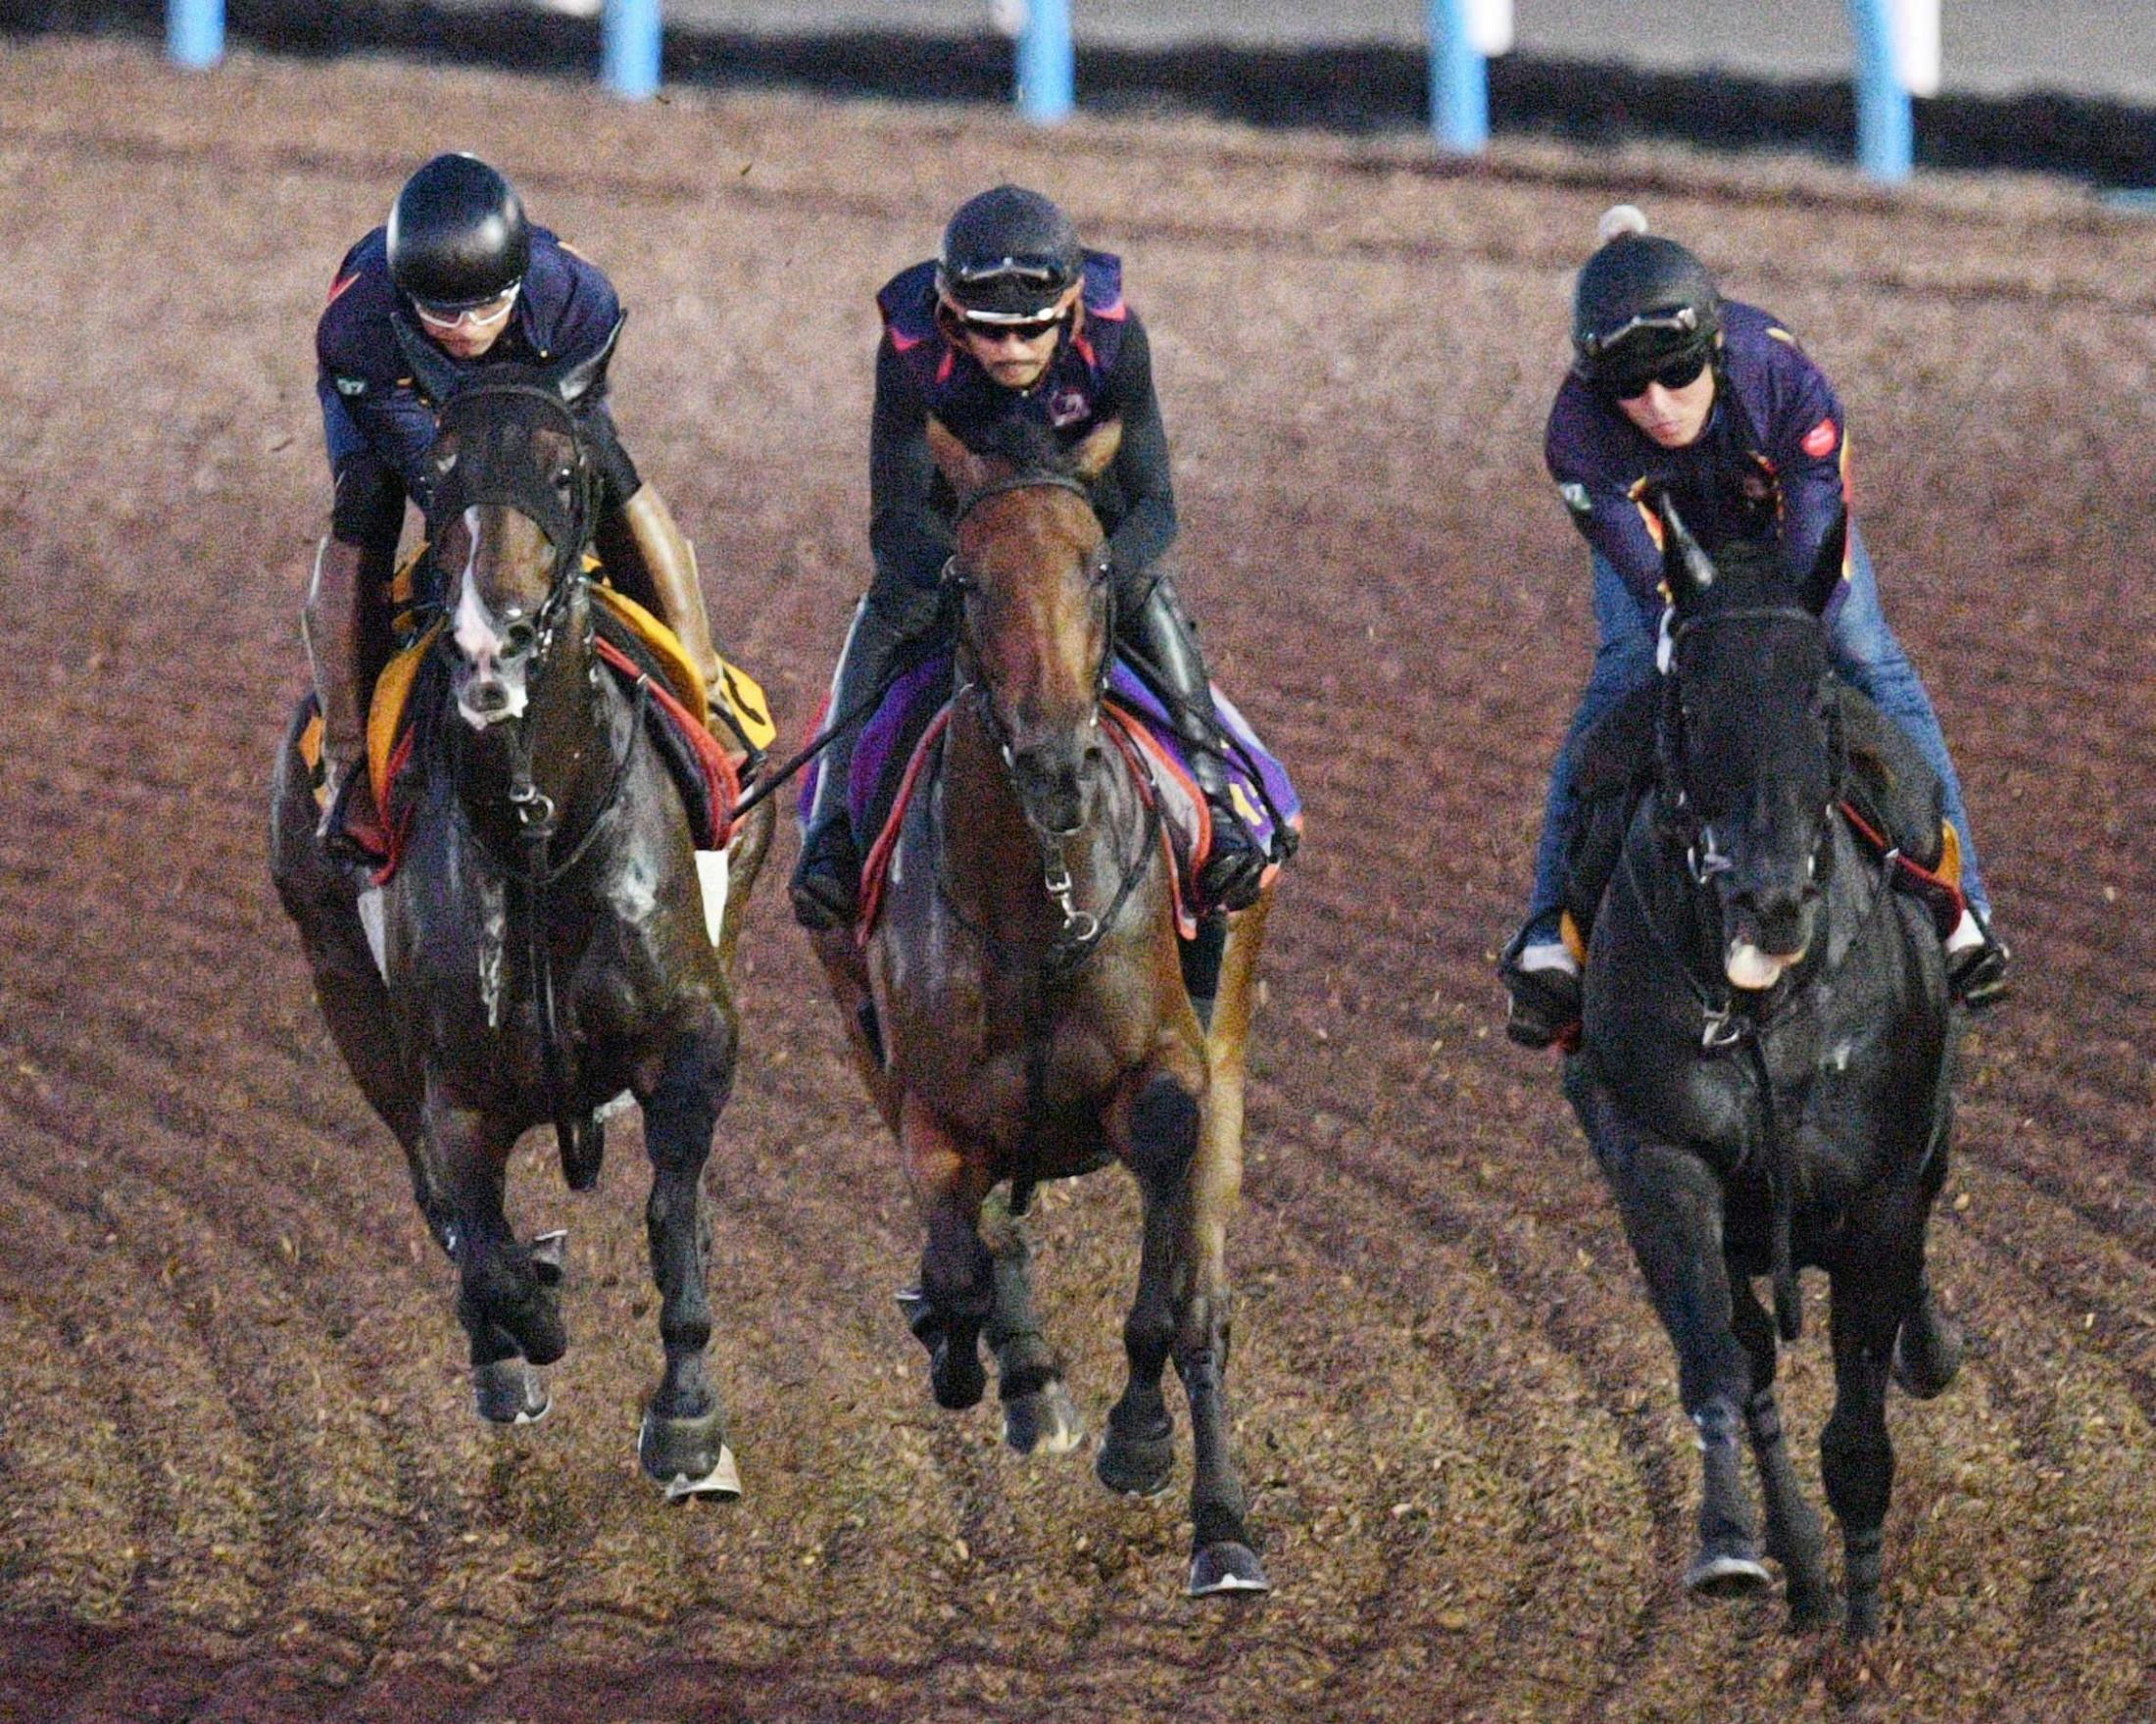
899, 738
1890, 795
710, 767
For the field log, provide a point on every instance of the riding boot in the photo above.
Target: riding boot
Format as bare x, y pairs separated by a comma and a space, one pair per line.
826, 883
345, 658
647, 556
1161, 632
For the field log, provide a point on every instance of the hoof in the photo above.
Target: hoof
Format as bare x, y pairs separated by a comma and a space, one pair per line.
1809, 1612
1927, 1353
1227, 1567
1045, 1422
688, 1457
509, 1391
1143, 1467
958, 1376
1725, 1571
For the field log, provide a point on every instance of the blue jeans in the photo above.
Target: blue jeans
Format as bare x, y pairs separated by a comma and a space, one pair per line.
1863, 650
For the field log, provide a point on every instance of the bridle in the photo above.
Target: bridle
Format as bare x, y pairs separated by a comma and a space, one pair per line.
560, 500
1082, 931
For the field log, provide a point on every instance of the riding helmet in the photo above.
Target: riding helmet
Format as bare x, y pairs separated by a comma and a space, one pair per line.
456, 234
1641, 303
1009, 256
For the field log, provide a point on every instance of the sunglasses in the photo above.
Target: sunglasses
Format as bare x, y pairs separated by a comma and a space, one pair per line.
1680, 372
473, 317
999, 331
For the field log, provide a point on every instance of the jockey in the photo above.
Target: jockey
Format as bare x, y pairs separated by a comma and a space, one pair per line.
1716, 401
1014, 320
459, 264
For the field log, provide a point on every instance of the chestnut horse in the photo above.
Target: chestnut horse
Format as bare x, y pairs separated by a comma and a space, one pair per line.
545, 941
1019, 1011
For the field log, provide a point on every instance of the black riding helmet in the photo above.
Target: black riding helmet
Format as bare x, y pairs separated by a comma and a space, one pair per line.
1009, 256
456, 234
1645, 307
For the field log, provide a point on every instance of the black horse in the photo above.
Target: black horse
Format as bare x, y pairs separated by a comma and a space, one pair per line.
545, 941
1764, 1074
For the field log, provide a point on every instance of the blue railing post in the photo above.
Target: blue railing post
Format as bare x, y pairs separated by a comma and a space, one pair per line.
1048, 62
629, 48
194, 32
1459, 80
1885, 119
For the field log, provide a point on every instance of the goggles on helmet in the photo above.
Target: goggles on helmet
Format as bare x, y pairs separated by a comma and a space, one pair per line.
1666, 347
478, 315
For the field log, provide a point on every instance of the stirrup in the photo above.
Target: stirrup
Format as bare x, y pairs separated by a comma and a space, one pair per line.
1977, 977
826, 885
350, 830
1234, 875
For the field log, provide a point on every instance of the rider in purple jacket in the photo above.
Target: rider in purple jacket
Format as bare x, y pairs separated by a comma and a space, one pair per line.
458, 265
1713, 400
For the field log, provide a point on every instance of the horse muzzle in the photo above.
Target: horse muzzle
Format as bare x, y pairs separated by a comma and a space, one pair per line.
1054, 781
1767, 934
489, 692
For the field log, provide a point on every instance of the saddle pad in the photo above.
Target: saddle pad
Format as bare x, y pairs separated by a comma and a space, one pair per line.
739, 701
895, 744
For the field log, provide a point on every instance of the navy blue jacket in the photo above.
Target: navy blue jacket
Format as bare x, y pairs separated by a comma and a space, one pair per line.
369, 409
1102, 371
1769, 463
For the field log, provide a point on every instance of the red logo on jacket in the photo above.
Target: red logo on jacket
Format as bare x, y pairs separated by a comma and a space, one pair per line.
1819, 441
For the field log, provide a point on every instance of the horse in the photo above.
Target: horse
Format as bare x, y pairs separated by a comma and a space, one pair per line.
1019, 1011
1765, 1075
546, 941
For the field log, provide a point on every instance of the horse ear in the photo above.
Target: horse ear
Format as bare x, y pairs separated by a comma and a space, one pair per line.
431, 370
1097, 450
1688, 568
575, 382
968, 472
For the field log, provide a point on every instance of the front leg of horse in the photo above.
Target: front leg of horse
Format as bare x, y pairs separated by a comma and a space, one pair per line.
1794, 1533
1039, 1415
506, 1297
1856, 1454
682, 1442
957, 1288
1671, 1201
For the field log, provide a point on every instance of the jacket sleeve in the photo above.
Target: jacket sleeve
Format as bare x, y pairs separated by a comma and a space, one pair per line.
1148, 524
1809, 447
1608, 519
907, 537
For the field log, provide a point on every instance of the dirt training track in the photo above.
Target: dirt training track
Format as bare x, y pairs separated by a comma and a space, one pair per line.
239, 1476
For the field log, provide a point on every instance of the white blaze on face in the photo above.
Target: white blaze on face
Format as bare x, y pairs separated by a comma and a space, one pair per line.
478, 638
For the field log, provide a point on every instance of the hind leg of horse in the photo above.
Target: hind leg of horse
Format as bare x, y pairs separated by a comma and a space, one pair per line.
1856, 1454
508, 1307
1793, 1535
1671, 1202
958, 1290
682, 1442
1039, 1415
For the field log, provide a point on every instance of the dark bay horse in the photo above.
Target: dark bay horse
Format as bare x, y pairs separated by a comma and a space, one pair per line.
546, 939
1764, 1075
1034, 1022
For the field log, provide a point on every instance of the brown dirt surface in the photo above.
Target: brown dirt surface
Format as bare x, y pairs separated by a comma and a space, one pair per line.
239, 1476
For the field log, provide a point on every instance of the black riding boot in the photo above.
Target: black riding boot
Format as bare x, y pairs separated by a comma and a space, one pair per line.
1160, 631
826, 883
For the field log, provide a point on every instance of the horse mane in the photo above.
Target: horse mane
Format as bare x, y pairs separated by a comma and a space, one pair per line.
1028, 445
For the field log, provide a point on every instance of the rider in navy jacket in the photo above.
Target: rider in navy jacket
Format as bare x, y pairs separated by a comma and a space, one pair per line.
459, 265
1673, 386
1013, 321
